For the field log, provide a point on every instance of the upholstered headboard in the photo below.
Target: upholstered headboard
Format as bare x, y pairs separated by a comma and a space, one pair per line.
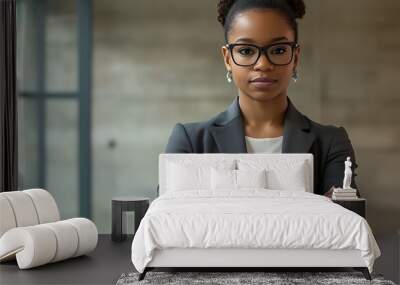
211, 158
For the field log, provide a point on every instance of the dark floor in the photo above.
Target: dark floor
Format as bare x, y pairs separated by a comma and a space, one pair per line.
110, 259
102, 266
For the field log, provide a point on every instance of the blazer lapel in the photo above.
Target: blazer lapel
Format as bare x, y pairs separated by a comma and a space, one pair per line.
228, 131
297, 137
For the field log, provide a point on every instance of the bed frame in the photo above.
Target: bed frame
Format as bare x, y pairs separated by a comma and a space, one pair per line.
248, 259
238, 259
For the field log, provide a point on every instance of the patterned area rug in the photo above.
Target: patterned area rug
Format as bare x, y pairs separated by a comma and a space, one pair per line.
230, 278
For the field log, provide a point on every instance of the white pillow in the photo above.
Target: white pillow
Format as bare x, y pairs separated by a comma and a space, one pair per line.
227, 179
182, 177
251, 178
188, 175
223, 179
291, 179
281, 175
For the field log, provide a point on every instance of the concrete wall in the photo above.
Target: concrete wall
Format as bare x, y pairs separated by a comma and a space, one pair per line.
360, 55
155, 63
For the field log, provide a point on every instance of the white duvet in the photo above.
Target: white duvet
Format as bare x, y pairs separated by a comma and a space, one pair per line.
251, 218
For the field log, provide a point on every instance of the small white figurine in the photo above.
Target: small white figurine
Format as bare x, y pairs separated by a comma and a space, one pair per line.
345, 193
347, 174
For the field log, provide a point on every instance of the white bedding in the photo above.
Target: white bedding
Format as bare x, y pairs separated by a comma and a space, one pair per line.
250, 218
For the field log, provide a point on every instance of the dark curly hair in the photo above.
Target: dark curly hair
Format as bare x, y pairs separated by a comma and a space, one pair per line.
228, 9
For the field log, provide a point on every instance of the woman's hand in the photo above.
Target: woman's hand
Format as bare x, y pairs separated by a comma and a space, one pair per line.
329, 192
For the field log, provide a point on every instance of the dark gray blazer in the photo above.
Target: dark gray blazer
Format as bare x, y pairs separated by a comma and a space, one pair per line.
224, 133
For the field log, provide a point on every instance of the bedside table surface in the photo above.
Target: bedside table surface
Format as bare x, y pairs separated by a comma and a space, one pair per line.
129, 198
353, 199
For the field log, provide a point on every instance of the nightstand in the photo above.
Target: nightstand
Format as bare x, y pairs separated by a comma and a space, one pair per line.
357, 205
139, 205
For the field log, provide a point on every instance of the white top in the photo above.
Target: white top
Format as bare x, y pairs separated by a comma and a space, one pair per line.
264, 145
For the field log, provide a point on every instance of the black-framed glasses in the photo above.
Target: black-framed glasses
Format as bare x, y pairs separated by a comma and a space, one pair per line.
248, 54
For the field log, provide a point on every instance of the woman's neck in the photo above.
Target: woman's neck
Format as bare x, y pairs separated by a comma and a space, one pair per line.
263, 114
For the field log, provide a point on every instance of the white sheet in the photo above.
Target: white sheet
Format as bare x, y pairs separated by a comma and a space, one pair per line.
251, 218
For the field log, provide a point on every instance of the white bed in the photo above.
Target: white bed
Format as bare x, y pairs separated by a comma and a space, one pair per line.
249, 227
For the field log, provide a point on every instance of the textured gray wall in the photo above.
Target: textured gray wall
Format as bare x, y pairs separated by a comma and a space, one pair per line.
155, 63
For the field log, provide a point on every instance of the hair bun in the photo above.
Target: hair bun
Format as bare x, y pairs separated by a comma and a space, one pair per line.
298, 7
223, 9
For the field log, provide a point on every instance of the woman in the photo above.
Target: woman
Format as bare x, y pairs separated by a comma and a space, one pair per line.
261, 56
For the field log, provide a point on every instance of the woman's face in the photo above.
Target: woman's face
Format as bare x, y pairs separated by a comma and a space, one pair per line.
261, 27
